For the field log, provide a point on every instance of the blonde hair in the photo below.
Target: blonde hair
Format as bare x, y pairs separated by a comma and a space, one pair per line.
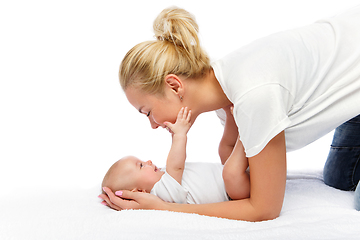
176, 51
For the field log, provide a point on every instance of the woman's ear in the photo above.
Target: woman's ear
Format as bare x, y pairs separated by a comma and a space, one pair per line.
175, 84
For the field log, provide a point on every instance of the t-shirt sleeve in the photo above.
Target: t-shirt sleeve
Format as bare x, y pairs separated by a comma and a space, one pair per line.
169, 190
260, 115
221, 115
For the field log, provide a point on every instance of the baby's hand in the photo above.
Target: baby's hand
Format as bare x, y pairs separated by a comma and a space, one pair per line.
182, 124
229, 109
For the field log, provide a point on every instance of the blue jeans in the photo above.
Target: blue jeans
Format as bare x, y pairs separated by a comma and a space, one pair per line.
342, 168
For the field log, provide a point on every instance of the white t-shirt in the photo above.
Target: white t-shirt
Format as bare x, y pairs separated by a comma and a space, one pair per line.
305, 81
201, 183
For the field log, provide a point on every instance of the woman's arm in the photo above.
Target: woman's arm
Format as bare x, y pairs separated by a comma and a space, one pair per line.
177, 155
267, 177
229, 137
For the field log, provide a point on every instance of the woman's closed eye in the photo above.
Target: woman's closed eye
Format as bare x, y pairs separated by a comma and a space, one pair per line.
143, 112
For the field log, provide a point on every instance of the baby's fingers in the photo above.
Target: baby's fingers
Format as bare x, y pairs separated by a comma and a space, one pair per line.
188, 116
168, 126
181, 113
184, 113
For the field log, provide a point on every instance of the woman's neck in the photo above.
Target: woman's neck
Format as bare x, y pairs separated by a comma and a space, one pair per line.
206, 94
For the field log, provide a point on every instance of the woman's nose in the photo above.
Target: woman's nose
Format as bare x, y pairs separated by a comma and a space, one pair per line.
153, 124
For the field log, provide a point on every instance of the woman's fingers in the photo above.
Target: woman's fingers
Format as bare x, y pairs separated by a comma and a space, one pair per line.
123, 200
108, 203
140, 200
120, 202
109, 199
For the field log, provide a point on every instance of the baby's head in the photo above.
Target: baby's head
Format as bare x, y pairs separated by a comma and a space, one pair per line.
130, 173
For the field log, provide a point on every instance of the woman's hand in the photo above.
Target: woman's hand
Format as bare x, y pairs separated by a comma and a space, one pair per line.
122, 200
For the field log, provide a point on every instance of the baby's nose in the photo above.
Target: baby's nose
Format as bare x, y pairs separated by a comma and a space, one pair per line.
149, 162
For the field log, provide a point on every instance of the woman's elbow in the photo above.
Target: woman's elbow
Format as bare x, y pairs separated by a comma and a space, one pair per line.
267, 214
267, 217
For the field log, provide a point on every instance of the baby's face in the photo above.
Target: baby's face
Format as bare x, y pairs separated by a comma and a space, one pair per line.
138, 175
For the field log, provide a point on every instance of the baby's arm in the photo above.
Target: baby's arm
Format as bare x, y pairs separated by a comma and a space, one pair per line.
176, 159
229, 137
236, 179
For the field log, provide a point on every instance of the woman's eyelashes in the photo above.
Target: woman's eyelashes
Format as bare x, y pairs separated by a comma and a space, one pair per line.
148, 114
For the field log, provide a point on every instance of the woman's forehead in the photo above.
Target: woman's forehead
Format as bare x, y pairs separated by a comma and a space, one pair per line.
136, 97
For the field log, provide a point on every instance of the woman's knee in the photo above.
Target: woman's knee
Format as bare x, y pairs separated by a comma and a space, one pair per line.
342, 168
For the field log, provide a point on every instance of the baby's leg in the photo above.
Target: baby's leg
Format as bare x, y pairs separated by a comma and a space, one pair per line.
236, 179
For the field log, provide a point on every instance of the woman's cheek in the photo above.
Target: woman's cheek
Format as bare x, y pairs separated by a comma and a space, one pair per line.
167, 118
165, 115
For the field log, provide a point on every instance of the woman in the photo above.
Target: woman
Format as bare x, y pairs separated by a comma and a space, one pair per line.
287, 89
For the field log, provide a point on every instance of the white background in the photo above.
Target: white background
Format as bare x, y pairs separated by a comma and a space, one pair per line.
63, 116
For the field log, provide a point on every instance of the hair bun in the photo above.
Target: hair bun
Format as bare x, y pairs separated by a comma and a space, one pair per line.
177, 51
177, 26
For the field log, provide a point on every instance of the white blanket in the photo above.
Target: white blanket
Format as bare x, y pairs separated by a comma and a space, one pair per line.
64, 120
311, 210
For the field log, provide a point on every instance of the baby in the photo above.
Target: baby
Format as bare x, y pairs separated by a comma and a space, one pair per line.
194, 183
